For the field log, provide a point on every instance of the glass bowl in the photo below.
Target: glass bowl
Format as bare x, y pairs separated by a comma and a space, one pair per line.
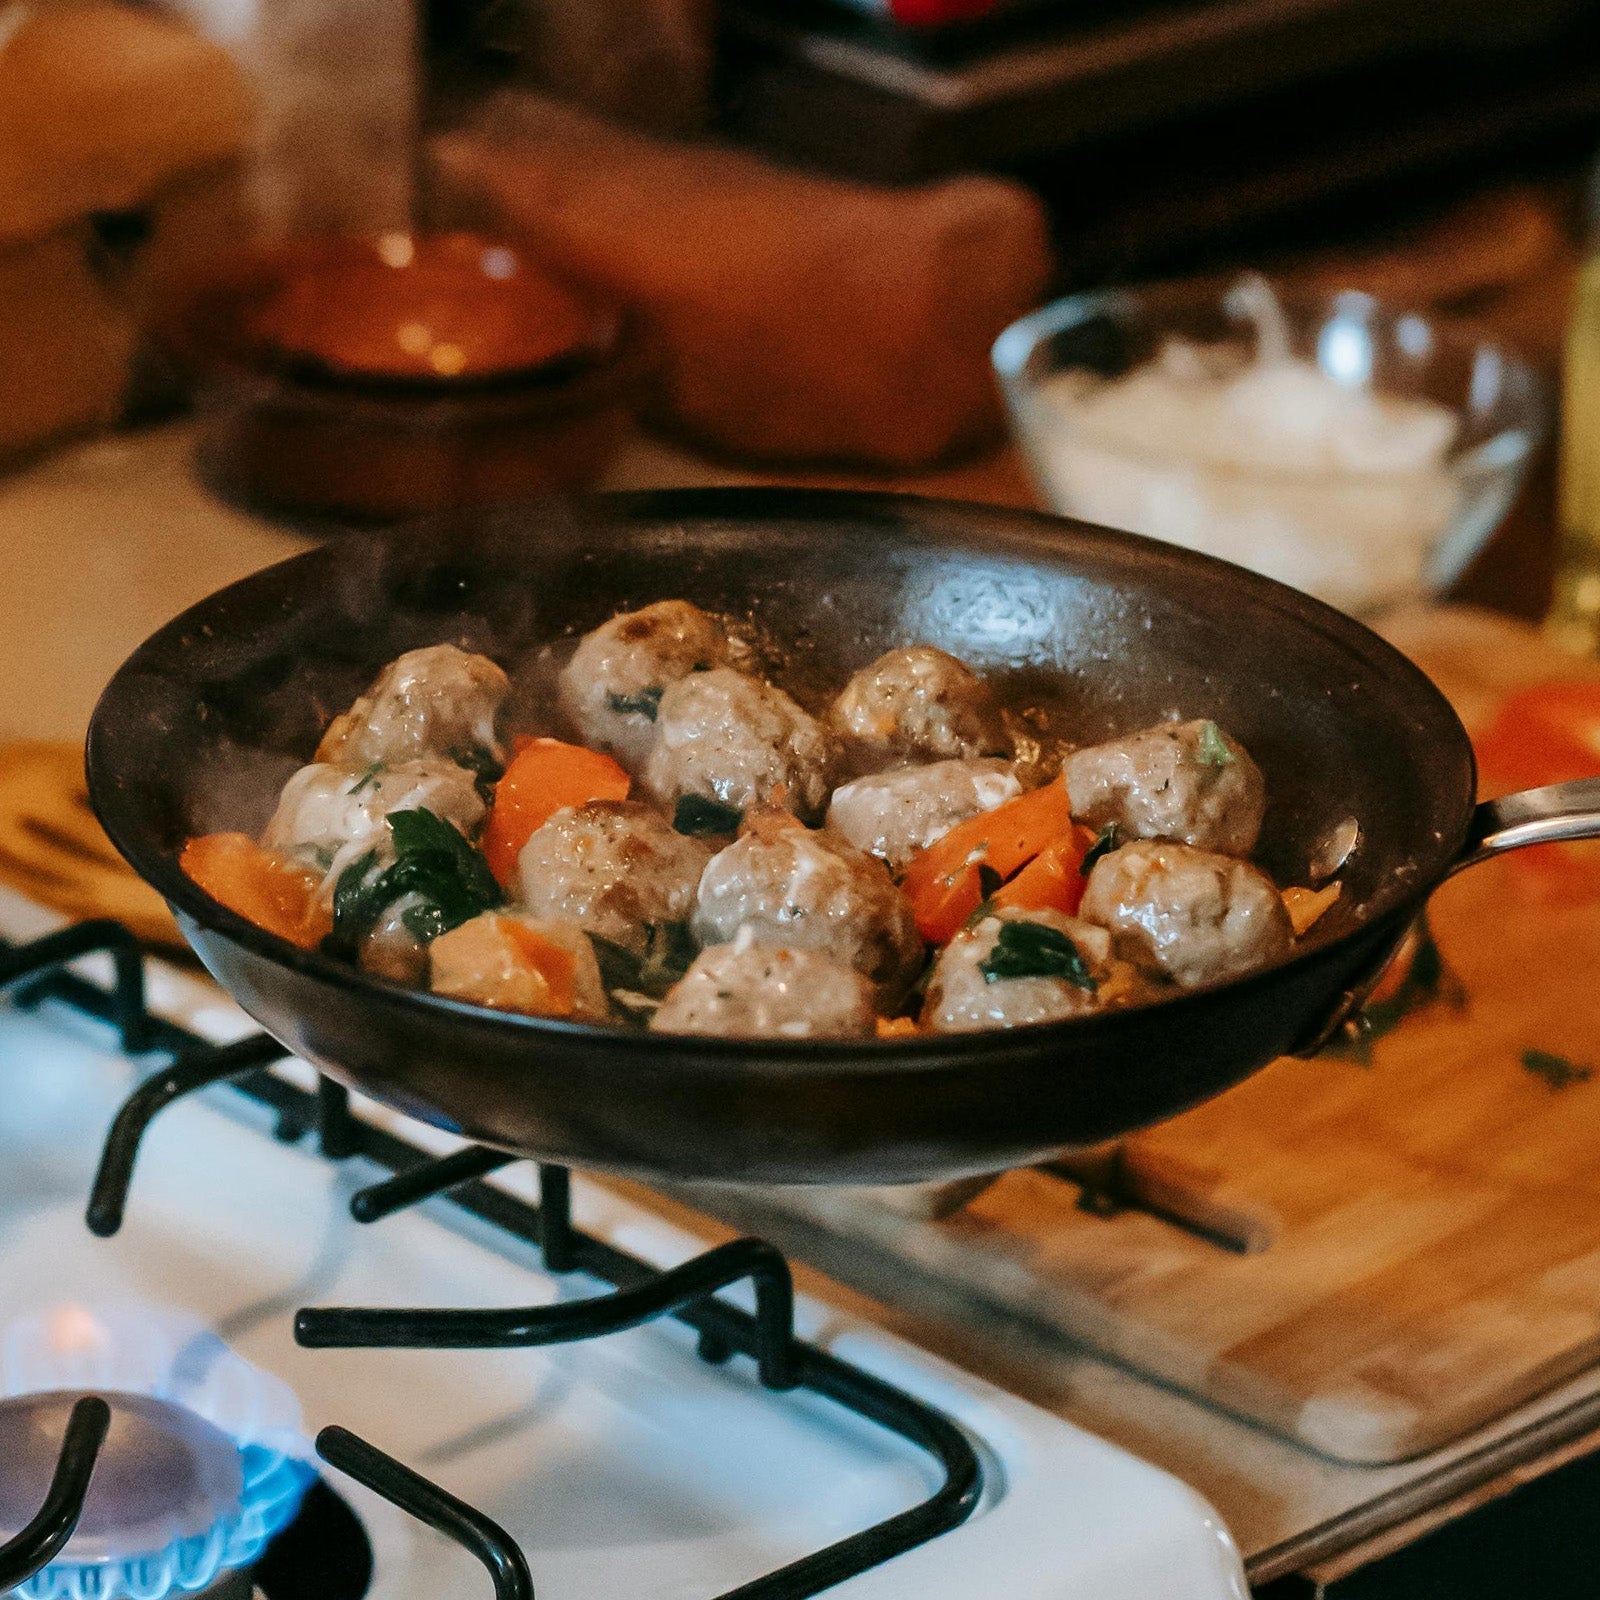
1451, 421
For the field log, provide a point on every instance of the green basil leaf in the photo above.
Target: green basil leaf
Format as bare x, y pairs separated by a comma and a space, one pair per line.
1108, 839
1036, 950
672, 949
646, 703
695, 814
619, 966
357, 904
1213, 750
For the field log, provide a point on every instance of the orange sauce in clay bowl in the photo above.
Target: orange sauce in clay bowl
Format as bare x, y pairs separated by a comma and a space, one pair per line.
375, 379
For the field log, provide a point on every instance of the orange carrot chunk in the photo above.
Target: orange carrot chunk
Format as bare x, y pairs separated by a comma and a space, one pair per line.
1053, 880
259, 885
946, 873
544, 776
942, 906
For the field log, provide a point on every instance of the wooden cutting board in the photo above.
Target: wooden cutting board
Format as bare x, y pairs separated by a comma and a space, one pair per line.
1419, 1220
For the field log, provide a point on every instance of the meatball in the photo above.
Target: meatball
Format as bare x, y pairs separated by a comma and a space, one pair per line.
613, 684
329, 816
1187, 914
964, 998
614, 867
895, 814
1180, 780
738, 740
751, 989
789, 886
489, 961
918, 702
435, 702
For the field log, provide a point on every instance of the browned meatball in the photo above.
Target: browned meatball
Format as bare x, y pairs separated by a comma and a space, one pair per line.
439, 701
750, 989
612, 687
1179, 780
893, 815
790, 886
614, 867
918, 703
1188, 915
970, 991
736, 739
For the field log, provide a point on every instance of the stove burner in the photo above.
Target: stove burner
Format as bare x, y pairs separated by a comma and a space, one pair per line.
199, 1464
164, 1475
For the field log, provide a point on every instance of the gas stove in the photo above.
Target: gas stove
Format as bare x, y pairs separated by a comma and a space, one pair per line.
585, 1401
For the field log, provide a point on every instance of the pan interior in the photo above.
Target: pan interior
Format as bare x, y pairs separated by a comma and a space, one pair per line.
1085, 633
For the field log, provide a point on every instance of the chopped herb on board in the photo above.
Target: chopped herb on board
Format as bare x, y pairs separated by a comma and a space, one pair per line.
1213, 750
696, 814
646, 703
1034, 950
1557, 1071
1108, 839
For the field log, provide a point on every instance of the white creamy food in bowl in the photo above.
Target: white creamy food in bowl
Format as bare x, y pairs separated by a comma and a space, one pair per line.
1357, 453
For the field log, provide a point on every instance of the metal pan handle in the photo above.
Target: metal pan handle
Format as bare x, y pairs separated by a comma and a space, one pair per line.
1550, 815
1560, 811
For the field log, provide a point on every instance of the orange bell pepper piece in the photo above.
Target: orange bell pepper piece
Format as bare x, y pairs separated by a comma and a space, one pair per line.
942, 906
544, 776
259, 885
1053, 880
945, 876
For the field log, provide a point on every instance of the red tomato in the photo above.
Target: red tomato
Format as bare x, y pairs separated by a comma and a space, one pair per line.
1549, 733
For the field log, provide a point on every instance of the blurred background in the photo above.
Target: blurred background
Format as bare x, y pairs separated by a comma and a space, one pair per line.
345, 261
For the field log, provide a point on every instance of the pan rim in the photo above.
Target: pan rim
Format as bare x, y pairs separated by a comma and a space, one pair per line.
981, 526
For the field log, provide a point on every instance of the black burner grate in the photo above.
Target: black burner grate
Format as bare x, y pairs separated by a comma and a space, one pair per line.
640, 1293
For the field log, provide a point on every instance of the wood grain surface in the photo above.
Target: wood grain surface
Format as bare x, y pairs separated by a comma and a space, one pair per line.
1414, 1221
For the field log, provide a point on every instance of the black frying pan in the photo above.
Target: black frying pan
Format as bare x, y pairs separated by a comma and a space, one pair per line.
199, 728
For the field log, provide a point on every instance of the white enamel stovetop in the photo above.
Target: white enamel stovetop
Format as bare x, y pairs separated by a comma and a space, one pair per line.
624, 1466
